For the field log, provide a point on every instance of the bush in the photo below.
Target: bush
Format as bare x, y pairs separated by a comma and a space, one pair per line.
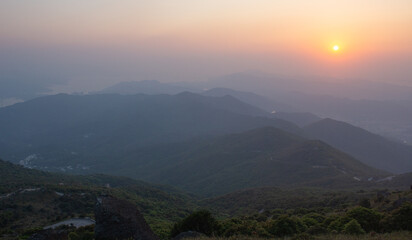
244, 227
318, 217
353, 228
303, 236
368, 218
339, 223
201, 221
402, 218
365, 203
286, 226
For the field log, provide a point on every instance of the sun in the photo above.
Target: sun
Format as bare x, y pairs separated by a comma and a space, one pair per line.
335, 48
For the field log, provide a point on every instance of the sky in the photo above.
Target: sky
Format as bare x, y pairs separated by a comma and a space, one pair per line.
91, 44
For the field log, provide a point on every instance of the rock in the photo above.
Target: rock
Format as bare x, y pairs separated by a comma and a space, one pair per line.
189, 234
50, 234
120, 219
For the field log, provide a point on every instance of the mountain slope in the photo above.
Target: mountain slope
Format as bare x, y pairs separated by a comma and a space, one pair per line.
299, 118
257, 158
70, 132
369, 148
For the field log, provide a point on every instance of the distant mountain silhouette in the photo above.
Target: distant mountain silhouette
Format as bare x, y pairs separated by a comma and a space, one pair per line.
369, 148
278, 109
250, 98
299, 118
145, 87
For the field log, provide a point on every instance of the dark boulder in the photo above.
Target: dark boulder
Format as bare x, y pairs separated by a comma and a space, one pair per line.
120, 219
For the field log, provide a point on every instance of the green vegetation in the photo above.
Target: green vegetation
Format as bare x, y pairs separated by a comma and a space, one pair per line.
316, 223
201, 221
256, 158
30, 199
371, 149
375, 236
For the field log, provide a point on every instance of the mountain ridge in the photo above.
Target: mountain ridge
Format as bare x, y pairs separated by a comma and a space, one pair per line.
370, 148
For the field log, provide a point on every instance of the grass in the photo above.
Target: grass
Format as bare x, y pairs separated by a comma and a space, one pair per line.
372, 236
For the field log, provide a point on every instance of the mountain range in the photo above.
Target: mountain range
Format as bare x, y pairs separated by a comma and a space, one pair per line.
202, 144
74, 131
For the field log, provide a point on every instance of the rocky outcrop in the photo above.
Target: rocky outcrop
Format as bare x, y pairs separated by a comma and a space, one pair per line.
120, 219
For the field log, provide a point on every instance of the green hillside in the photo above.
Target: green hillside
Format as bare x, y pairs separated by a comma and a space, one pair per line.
257, 158
371, 149
32, 199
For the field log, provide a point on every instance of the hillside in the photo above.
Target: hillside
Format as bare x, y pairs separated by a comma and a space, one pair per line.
257, 158
369, 148
257, 200
31, 198
75, 133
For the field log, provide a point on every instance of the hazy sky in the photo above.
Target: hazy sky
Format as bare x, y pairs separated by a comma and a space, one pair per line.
96, 42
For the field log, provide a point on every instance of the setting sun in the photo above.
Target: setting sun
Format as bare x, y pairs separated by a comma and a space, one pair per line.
335, 48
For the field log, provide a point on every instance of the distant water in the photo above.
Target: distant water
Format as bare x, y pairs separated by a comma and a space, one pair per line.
75, 222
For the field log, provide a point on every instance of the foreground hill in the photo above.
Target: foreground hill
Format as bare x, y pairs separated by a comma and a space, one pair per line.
369, 148
76, 132
257, 200
261, 157
32, 199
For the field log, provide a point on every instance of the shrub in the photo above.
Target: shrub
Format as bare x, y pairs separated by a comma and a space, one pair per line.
353, 228
402, 218
365, 203
201, 221
318, 217
368, 218
286, 226
245, 227
339, 223
303, 236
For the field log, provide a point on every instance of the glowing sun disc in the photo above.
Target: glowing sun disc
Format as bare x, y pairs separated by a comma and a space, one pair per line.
335, 48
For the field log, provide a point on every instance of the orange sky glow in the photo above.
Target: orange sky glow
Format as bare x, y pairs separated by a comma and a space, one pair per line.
303, 32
